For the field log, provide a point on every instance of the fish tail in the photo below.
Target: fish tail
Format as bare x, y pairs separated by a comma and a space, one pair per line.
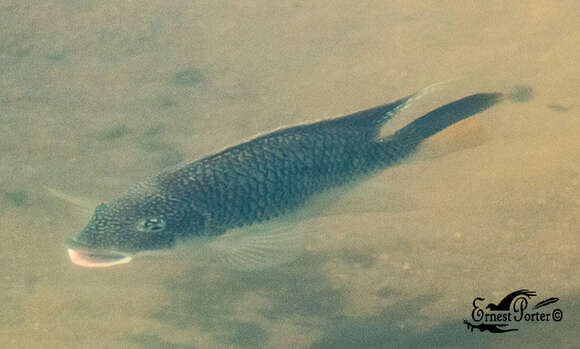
405, 141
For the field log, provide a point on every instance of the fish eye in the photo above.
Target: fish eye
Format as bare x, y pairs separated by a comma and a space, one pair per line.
153, 224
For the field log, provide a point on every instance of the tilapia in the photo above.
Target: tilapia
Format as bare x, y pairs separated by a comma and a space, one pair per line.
251, 184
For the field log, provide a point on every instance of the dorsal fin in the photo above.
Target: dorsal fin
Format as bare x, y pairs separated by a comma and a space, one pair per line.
372, 119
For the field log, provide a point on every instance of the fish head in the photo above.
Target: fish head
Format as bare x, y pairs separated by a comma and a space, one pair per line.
123, 228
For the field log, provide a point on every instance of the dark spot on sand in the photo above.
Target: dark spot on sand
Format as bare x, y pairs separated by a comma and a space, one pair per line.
188, 78
30, 284
357, 258
403, 244
155, 130
521, 94
163, 102
16, 198
114, 133
558, 107
385, 292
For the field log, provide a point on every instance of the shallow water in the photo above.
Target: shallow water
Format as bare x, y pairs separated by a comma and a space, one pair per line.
95, 96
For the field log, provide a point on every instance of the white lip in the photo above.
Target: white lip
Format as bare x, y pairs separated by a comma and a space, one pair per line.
94, 260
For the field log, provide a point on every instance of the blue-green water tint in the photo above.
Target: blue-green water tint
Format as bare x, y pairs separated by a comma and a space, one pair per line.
86, 85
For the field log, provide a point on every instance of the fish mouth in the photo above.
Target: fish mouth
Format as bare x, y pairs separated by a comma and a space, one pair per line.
89, 259
94, 258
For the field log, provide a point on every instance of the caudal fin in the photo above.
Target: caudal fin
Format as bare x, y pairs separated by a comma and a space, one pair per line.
443, 117
405, 141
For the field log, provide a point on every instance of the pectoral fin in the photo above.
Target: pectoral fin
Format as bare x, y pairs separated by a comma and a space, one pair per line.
262, 245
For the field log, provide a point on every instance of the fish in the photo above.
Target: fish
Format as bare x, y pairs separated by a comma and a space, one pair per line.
251, 186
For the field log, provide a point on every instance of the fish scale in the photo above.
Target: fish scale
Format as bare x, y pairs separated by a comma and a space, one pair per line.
317, 160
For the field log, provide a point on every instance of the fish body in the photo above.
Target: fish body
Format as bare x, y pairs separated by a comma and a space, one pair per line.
253, 182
